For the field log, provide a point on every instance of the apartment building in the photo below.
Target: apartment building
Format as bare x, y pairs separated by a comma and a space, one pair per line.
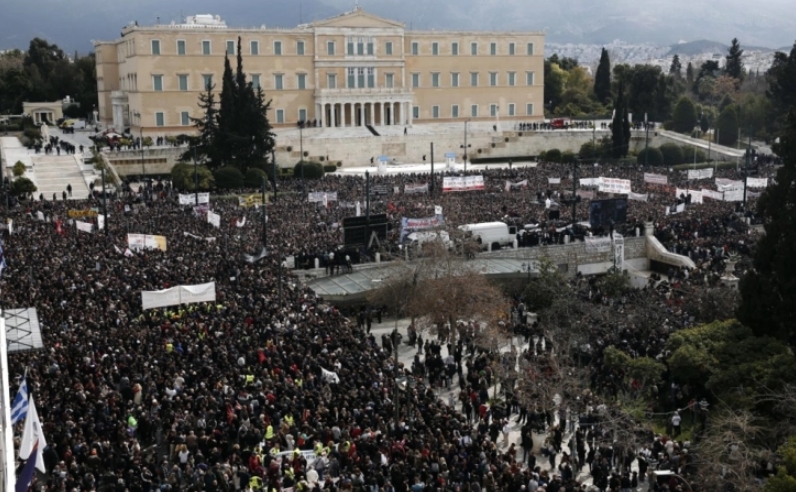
350, 70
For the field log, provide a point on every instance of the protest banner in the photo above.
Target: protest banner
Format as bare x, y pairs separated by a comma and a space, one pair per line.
655, 178
614, 185
756, 182
139, 242
519, 184
416, 188
214, 219
250, 201
466, 183
191, 198
175, 296
322, 196
700, 173
78, 214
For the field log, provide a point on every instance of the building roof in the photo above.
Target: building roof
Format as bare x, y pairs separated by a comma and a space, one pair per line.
357, 18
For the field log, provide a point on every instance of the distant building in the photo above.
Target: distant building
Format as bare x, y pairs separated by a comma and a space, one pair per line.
349, 70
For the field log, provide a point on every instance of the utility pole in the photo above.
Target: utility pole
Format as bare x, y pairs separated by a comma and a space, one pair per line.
746, 167
431, 185
574, 189
104, 202
367, 207
195, 178
301, 148
265, 219
273, 162
143, 171
465, 145
646, 142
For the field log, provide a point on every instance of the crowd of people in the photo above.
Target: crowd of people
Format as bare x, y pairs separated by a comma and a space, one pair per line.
270, 388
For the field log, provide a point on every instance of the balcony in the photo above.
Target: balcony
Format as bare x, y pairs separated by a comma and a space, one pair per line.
364, 93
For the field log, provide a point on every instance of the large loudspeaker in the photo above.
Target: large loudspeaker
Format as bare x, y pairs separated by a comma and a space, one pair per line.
357, 232
554, 214
607, 213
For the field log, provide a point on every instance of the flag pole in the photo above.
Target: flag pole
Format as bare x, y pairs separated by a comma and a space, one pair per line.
8, 462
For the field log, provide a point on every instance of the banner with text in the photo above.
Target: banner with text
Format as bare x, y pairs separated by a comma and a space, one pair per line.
733, 195
713, 195
322, 196
696, 196
655, 178
84, 226
250, 201
598, 244
411, 225
466, 183
590, 181
416, 188
214, 219
614, 185
700, 173
76, 214
182, 294
191, 199
639, 197
554, 181
756, 182
724, 184
138, 242
518, 184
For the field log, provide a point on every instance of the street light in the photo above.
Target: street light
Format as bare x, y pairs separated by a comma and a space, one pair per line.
301, 147
465, 146
143, 171
646, 142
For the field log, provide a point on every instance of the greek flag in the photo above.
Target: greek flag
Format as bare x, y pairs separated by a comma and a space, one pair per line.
3, 265
19, 407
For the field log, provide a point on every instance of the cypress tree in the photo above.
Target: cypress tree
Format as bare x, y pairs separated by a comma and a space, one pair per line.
618, 144
602, 78
734, 66
676, 68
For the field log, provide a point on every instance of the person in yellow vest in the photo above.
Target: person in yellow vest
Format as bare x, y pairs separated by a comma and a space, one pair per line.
169, 347
269, 432
255, 483
299, 382
318, 448
274, 450
250, 380
289, 420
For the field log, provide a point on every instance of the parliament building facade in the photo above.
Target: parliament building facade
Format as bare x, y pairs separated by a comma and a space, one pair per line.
351, 70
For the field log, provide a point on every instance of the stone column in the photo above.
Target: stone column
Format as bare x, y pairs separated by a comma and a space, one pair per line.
361, 114
333, 108
409, 115
320, 114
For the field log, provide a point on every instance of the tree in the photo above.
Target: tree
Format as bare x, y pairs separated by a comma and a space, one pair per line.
684, 116
207, 128
554, 81
768, 291
651, 156
672, 154
602, 78
619, 140
308, 170
228, 177
676, 68
734, 66
781, 81
18, 169
727, 125
22, 187
182, 176
689, 75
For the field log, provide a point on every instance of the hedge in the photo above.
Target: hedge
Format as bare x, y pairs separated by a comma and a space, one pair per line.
672, 154
311, 170
254, 177
651, 156
513, 158
553, 155
228, 177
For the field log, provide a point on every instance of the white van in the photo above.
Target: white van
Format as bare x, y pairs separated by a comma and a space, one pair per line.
496, 234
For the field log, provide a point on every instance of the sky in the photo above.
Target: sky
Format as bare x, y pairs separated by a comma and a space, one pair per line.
73, 24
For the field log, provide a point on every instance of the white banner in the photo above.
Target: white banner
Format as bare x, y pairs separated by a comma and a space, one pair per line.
640, 197
706, 173
416, 188
182, 294
614, 185
733, 195
553, 181
466, 183
655, 178
329, 376
598, 244
724, 184
100, 222
84, 226
190, 199
518, 184
715, 195
138, 242
590, 181
214, 219
241, 222
588, 195
208, 239
322, 196
437, 210
696, 196
756, 182
40, 215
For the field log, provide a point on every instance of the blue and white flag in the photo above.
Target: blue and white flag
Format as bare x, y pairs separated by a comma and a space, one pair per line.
19, 407
33, 441
3, 265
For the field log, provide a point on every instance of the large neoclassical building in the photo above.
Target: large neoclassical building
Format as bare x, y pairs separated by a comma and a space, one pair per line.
350, 70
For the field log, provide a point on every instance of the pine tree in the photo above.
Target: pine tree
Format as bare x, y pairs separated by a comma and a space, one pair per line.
689, 74
768, 291
625, 131
618, 144
207, 128
734, 67
602, 78
676, 68
225, 138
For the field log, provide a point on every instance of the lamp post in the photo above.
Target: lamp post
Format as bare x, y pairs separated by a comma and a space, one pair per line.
143, 171
273, 171
265, 220
104, 202
195, 178
465, 146
646, 142
301, 147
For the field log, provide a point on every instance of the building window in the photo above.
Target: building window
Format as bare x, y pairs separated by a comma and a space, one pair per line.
455, 111
254, 47
415, 80
474, 49
511, 48
230, 47
160, 119
277, 48
280, 115
206, 47
415, 48
473, 79
302, 80
474, 111
388, 48
350, 46
455, 79
181, 47
300, 49
455, 49
360, 77
529, 109
512, 111
302, 115
330, 47
352, 78
279, 82
370, 48
435, 111
155, 46
512, 79
183, 80
185, 118
157, 83
360, 47
435, 48
528, 78
389, 80
207, 80
493, 110
416, 112
493, 79
255, 81
331, 80
435, 80
493, 49
530, 49
371, 78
